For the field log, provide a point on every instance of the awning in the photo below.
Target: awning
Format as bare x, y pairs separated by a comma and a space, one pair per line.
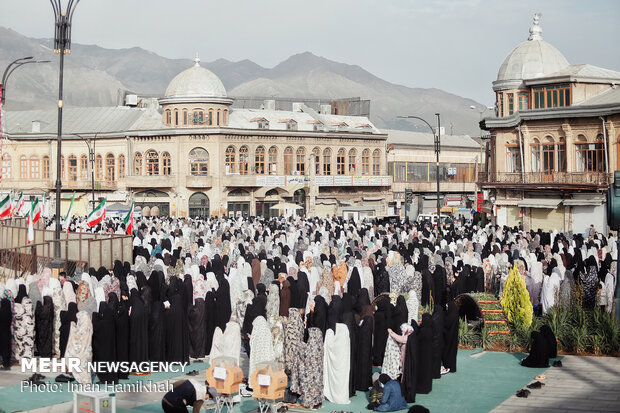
583, 202
539, 203
372, 198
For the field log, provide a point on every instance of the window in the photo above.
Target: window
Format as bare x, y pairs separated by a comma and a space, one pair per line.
316, 152
198, 117
166, 164
366, 162
210, 120
34, 167
230, 160
524, 99
352, 161
243, 160
590, 157
376, 162
547, 150
513, 158
62, 167
167, 116
225, 117
219, 115
273, 160
83, 167
73, 168
291, 124
500, 103
176, 117
152, 162
110, 167
511, 103
327, 161
184, 117
6, 166
300, 164
98, 167
562, 155
259, 160
551, 96
199, 162
45, 167
535, 148
288, 161
340, 162
263, 124
121, 166
137, 164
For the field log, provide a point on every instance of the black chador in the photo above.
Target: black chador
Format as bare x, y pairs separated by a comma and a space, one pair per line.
450, 337
177, 339
104, 340
196, 320
138, 329
157, 332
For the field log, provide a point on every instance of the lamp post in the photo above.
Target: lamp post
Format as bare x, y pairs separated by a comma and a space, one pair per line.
5, 77
480, 113
91, 157
62, 45
437, 142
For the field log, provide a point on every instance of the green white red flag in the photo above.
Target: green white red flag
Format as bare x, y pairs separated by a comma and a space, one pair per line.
128, 220
6, 207
29, 219
36, 210
18, 205
95, 217
67, 220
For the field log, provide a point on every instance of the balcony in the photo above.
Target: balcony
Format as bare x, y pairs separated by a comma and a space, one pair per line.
192, 181
85, 185
543, 180
151, 181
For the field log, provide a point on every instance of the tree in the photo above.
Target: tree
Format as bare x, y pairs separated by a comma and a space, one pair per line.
516, 300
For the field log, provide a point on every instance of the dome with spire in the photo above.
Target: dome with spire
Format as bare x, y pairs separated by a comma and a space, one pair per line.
531, 59
196, 84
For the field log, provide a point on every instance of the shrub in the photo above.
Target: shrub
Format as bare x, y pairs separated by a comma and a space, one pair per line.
516, 300
468, 337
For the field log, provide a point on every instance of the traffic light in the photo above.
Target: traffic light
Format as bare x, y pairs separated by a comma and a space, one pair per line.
408, 196
613, 203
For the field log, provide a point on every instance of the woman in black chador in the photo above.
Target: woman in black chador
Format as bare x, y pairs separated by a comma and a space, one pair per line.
138, 329
104, 340
177, 339
450, 337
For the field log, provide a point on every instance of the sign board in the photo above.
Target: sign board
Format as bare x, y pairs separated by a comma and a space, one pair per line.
264, 379
219, 373
479, 201
452, 170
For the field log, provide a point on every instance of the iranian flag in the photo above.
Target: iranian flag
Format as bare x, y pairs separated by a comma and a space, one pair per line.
5, 207
36, 210
67, 219
19, 204
97, 215
29, 219
128, 221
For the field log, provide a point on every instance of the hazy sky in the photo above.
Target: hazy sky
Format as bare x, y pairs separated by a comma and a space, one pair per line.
454, 45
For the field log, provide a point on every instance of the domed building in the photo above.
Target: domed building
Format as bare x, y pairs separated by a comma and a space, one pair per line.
192, 153
554, 139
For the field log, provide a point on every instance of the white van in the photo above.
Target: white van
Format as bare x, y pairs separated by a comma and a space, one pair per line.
432, 218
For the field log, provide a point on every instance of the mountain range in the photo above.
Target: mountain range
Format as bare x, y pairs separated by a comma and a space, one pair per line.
93, 75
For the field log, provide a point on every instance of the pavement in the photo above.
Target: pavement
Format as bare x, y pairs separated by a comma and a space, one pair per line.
583, 384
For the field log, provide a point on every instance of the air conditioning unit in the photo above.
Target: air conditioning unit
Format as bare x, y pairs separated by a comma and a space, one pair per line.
131, 100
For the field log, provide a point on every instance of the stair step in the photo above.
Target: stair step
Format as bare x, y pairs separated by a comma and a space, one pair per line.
494, 321
500, 332
493, 311
488, 302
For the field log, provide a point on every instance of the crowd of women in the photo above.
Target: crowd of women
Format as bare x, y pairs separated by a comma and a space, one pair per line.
327, 298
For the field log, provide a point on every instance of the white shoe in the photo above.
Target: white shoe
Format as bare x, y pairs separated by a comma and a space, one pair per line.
444, 370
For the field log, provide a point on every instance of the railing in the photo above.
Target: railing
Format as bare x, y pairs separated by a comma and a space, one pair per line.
31, 259
576, 179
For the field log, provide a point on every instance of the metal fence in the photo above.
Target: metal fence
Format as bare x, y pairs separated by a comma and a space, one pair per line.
569, 179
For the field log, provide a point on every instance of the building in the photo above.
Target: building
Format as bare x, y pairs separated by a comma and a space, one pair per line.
412, 165
554, 139
191, 154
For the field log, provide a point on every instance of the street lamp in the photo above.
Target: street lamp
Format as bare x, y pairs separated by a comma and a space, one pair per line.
5, 77
62, 45
91, 157
437, 137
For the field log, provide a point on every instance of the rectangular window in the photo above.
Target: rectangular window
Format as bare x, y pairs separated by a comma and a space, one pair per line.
513, 159
561, 157
523, 101
511, 103
45, 168
500, 103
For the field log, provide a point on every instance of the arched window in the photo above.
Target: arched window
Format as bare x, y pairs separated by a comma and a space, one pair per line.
83, 167
513, 157
548, 155
167, 116
73, 168
243, 160
225, 120
259, 160
590, 157
327, 161
352, 161
184, 117
210, 120
166, 164
110, 167
6, 166
230, 160
98, 167
198, 116
219, 115
340, 162
176, 117
199, 162
273, 160
152, 162
288, 160
121, 166
300, 164
366, 162
536, 157
376, 162
562, 155
137, 164
316, 152
45, 167
34, 167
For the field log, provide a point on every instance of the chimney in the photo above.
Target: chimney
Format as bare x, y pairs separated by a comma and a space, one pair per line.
269, 104
36, 126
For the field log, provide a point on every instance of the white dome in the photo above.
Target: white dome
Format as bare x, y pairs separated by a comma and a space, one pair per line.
196, 82
531, 59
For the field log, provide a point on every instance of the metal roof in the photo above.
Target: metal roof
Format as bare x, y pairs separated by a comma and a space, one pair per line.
573, 73
539, 203
411, 138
